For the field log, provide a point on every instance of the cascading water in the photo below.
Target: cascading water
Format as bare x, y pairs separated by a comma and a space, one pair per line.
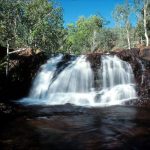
75, 84
42, 81
117, 81
77, 77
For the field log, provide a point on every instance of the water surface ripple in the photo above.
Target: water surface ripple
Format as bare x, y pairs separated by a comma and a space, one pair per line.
77, 128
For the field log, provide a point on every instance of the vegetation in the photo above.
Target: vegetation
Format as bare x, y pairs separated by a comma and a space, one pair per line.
81, 37
121, 15
38, 24
31, 23
90, 34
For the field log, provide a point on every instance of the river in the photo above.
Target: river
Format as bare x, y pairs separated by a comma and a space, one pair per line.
69, 127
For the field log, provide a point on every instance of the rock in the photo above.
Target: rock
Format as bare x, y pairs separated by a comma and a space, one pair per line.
5, 109
23, 68
145, 53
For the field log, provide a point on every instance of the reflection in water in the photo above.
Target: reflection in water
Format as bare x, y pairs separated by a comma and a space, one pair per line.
70, 127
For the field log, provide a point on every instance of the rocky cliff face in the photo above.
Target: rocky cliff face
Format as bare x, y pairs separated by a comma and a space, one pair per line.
23, 67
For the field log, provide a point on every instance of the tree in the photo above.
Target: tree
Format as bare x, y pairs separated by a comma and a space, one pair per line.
139, 32
10, 20
31, 23
142, 10
81, 36
44, 25
106, 39
146, 15
121, 15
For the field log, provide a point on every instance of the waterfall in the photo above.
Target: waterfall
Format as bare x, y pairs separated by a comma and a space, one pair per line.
42, 80
115, 72
75, 83
77, 77
117, 81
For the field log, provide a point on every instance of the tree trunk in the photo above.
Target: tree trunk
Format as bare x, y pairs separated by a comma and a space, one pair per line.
141, 41
145, 23
7, 66
15, 29
128, 38
93, 46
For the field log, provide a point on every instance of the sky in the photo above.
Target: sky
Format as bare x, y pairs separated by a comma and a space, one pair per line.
72, 9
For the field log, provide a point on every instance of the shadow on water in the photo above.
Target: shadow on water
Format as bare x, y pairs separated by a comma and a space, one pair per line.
76, 128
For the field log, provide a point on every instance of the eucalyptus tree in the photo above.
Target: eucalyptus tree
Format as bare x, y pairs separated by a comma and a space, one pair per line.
31, 23
10, 15
145, 18
106, 39
44, 23
81, 36
121, 15
142, 11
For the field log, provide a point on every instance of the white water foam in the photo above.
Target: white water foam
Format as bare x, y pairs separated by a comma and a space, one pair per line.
75, 84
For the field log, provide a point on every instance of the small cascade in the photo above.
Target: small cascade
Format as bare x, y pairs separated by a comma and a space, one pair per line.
115, 72
42, 80
76, 78
75, 83
117, 81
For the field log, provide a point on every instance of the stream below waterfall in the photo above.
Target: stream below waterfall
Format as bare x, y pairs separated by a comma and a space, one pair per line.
69, 127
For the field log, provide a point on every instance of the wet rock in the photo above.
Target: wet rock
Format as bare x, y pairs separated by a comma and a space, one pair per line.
66, 60
23, 68
95, 61
5, 109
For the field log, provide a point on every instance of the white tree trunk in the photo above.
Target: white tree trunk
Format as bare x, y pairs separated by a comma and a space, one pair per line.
93, 46
145, 23
15, 28
128, 38
7, 66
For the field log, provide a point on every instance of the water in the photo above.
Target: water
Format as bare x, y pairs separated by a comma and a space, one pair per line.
75, 84
76, 78
68, 127
42, 81
117, 80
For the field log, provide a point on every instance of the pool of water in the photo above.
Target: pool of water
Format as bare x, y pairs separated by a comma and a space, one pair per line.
70, 127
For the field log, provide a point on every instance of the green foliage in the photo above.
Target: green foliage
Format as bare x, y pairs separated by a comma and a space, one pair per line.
10, 19
106, 39
80, 35
44, 25
39, 24
34, 23
121, 15
139, 6
139, 31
